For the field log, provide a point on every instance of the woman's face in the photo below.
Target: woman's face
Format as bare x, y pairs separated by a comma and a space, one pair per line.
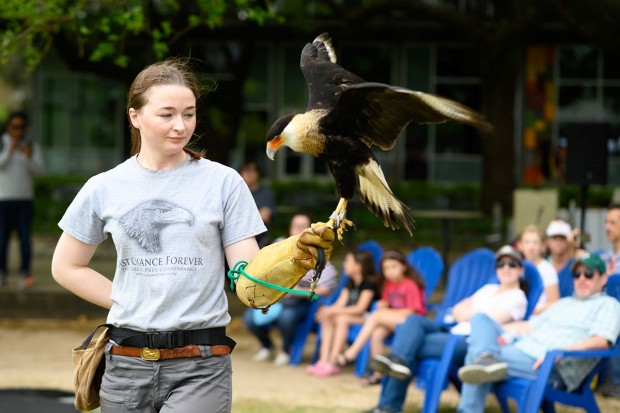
508, 270
531, 246
167, 121
393, 270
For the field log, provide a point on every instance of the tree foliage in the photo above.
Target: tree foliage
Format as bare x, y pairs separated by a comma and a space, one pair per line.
102, 29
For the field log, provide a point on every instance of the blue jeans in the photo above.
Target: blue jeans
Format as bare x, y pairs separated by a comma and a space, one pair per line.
291, 316
16, 216
484, 334
613, 371
417, 338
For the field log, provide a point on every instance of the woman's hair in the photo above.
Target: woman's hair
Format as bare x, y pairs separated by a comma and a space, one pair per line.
535, 229
364, 258
410, 272
168, 72
13, 115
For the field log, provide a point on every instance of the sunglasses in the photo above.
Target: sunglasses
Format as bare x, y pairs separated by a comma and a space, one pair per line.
17, 127
589, 274
511, 264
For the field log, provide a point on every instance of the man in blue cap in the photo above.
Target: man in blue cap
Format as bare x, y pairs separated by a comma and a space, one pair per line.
588, 320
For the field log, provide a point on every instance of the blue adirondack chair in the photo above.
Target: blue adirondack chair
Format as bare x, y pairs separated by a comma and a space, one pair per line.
375, 249
466, 275
533, 395
434, 374
565, 278
309, 325
429, 264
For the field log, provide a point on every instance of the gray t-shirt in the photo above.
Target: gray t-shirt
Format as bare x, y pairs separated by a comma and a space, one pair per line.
169, 228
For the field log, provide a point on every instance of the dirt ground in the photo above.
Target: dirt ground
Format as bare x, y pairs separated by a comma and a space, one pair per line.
36, 354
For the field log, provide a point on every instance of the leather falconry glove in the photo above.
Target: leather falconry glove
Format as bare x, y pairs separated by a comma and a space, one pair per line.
284, 263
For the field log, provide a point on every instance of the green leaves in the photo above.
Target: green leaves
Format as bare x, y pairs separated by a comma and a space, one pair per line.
102, 29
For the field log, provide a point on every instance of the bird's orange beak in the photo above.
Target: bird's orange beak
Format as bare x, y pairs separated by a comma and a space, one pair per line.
273, 145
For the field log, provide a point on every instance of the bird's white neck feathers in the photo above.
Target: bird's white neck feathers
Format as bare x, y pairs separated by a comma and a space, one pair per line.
305, 125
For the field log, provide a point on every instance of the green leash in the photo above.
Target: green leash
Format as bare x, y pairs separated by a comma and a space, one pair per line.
238, 270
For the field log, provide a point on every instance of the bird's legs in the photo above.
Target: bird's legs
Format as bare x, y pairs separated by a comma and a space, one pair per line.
338, 218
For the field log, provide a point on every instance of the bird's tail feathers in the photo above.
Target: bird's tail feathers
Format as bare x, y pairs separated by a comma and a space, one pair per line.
378, 197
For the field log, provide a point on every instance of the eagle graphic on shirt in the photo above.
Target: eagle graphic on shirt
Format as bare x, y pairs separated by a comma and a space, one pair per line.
146, 221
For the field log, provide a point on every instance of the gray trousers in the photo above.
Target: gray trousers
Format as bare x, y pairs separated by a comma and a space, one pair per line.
186, 385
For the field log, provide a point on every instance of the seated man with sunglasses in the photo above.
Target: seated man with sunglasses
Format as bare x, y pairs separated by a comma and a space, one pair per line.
588, 320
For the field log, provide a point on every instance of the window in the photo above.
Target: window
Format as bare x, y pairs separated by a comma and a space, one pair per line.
81, 122
589, 94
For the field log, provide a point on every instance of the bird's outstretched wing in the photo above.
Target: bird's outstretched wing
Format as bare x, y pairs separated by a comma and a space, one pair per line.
380, 112
325, 78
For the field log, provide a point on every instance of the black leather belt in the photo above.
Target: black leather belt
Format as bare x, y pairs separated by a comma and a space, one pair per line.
170, 339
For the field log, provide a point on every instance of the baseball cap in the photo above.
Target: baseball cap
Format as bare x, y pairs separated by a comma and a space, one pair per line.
557, 227
592, 262
508, 251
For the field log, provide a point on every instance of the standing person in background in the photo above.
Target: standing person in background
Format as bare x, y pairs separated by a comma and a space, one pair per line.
175, 218
351, 307
402, 294
611, 257
287, 314
20, 161
263, 196
532, 246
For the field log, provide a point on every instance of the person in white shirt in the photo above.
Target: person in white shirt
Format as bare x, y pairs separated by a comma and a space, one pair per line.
532, 245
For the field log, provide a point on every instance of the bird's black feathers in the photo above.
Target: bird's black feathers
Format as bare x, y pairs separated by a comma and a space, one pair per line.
381, 112
325, 78
346, 115
279, 125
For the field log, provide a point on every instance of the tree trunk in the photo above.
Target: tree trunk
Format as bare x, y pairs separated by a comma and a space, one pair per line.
498, 97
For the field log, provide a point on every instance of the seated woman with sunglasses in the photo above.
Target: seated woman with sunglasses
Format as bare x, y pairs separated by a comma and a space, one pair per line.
418, 337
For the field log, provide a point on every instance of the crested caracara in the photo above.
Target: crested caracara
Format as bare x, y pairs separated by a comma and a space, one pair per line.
345, 117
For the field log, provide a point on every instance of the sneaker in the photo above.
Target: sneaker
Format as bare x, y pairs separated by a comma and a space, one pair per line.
263, 354
27, 282
282, 359
391, 366
381, 410
486, 368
